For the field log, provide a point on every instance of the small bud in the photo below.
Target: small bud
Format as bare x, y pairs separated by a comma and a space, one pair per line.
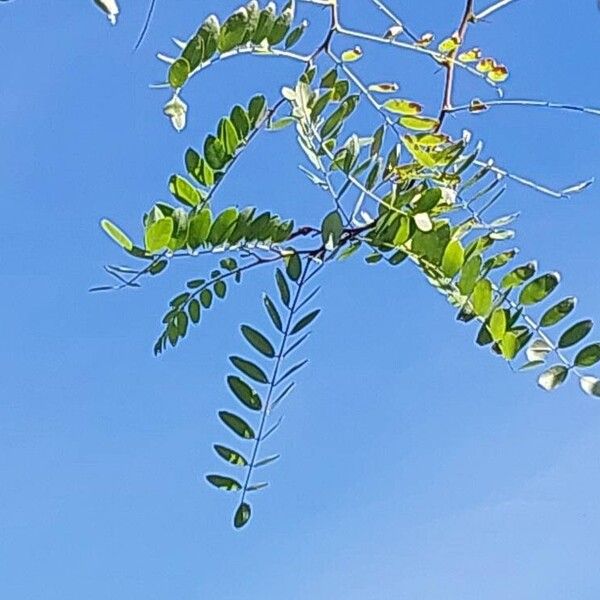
176, 110
425, 40
110, 8
476, 105
393, 32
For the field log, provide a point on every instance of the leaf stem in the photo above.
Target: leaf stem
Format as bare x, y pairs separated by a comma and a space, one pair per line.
273, 379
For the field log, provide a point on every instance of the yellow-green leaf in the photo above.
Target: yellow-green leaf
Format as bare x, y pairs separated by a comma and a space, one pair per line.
470, 55
158, 234
352, 55
401, 106
450, 44
498, 74
481, 299
117, 234
453, 259
485, 65
179, 71
419, 123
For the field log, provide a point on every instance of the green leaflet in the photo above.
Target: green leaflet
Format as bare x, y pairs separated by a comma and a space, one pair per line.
116, 234
558, 312
453, 258
158, 234
233, 30
305, 321
332, 228
258, 341
249, 369
519, 275
273, 313
237, 425
179, 72
293, 266
224, 483
588, 356
244, 393
575, 334
184, 192
242, 515
231, 456
482, 298
539, 288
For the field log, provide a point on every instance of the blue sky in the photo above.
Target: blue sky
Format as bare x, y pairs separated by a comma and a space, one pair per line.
414, 464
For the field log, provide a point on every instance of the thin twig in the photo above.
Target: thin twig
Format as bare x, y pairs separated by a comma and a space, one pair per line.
491, 9
526, 103
461, 33
395, 18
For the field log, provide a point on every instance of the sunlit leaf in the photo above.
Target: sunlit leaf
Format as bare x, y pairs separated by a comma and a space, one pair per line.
590, 385
402, 107
498, 74
553, 377
419, 123
352, 55
453, 259
481, 299
158, 234
538, 289
470, 55
179, 72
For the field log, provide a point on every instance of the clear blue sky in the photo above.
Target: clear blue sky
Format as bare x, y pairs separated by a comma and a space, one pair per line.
414, 464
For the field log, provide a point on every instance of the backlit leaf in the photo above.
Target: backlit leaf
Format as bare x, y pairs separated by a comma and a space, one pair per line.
575, 334
402, 107
179, 71
558, 312
158, 234
538, 289
116, 234
419, 123
453, 259
481, 298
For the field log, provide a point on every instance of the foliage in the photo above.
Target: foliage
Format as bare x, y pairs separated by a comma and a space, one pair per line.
407, 192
